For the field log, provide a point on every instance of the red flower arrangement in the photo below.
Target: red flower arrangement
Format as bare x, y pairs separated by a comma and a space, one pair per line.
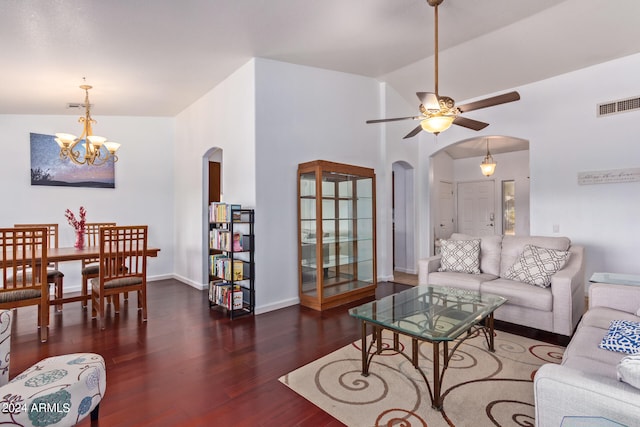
78, 225
71, 218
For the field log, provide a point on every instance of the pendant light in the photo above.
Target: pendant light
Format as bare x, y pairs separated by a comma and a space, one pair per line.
488, 165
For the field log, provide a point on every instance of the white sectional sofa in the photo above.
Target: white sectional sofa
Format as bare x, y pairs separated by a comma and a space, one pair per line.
585, 386
556, 309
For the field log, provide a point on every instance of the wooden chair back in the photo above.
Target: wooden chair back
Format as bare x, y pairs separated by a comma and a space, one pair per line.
123, 253
92, 234
123, 267
52, 235
23, 252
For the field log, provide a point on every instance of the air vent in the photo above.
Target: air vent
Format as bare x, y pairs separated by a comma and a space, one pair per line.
620, 106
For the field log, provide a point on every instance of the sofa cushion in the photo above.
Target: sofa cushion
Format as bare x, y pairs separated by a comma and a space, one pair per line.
600, 317
583, 353
536, 265
521, 294
461, 256
513, 246
490, 249
623, 336
466, 281
629, 370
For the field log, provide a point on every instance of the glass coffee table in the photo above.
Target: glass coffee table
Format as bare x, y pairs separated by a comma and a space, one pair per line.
438, 315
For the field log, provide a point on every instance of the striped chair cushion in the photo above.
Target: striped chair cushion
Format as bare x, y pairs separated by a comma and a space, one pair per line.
19, 295
118, 283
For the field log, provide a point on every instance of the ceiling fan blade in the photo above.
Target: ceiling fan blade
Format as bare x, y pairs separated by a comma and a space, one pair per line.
394, 119
429, 100
490, 102
470, 123
413, 132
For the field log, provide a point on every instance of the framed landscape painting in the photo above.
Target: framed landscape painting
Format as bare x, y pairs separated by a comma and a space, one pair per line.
47, 168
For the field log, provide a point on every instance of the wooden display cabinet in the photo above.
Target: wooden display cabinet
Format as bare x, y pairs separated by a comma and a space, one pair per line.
336, 233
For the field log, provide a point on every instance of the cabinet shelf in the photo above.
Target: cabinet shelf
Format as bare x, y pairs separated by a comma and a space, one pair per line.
336, 233
231, 259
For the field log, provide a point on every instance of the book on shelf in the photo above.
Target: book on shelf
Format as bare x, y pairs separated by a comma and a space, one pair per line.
224, 212
226, 295
221, 239
221, 266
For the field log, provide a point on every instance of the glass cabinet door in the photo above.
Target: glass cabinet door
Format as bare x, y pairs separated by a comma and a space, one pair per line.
337, 232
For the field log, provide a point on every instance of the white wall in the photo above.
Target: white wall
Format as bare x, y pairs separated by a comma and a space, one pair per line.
558, 118
223, 118
144, 178
304, 114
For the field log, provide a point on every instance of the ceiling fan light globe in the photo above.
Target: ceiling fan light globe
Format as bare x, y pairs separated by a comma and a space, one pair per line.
436, 124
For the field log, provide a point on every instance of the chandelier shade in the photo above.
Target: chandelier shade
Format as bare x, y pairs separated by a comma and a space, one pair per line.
97, 150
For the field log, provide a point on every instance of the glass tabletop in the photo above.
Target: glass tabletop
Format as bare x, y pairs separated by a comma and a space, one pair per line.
429, 312
616, 278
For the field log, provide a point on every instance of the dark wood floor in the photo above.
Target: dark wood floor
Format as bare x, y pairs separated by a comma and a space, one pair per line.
191, 366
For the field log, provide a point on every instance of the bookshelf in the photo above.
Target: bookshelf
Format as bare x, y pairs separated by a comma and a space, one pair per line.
336, 234
231, 259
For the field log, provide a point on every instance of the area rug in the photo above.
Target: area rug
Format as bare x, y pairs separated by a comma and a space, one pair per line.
480, 388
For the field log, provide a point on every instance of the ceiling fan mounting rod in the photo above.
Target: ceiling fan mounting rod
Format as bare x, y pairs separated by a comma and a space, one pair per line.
435, 4
436, 48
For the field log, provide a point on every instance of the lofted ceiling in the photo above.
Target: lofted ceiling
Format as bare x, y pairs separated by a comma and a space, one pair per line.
155, 58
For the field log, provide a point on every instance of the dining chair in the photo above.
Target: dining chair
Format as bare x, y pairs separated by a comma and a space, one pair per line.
55, 277
91, 267
23, 253
123, 268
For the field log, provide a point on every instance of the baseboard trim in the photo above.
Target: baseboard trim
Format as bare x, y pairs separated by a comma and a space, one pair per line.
193, 284
277, 305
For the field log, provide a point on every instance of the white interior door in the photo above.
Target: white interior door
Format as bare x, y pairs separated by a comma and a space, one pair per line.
476, 202
444, 226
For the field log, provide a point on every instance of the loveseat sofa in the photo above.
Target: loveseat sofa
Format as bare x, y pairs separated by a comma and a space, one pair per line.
585, 386
556, 308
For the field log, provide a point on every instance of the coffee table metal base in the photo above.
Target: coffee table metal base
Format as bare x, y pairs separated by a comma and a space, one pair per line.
485, 326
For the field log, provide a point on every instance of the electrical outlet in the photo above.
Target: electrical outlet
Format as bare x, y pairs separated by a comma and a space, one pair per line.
556, 228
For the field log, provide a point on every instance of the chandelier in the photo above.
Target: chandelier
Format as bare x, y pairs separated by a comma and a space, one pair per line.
97, 150
488, 165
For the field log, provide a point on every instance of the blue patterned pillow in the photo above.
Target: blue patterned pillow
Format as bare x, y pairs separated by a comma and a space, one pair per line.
623, 336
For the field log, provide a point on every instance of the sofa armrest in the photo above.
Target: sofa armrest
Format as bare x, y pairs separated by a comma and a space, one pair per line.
567, 287
426, 266
560, 392
619, 297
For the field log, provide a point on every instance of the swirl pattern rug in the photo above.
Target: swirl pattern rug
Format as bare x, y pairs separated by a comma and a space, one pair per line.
480, 388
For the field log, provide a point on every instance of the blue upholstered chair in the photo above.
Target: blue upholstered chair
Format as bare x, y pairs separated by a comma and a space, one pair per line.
59, 390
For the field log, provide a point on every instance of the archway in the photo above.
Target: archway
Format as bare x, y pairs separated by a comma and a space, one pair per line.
212, 155
460, 163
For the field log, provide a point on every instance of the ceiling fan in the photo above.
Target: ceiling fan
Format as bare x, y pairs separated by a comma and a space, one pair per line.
439, 112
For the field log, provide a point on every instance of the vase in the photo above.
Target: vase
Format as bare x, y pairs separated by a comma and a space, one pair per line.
79, 239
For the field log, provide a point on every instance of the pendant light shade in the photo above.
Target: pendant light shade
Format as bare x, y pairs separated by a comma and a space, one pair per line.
488, 165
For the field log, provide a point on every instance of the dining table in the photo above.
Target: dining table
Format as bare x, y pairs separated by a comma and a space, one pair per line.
65, 254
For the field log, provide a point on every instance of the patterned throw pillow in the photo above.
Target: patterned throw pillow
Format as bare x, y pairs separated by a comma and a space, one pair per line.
536, 265
623, 336
460, 256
